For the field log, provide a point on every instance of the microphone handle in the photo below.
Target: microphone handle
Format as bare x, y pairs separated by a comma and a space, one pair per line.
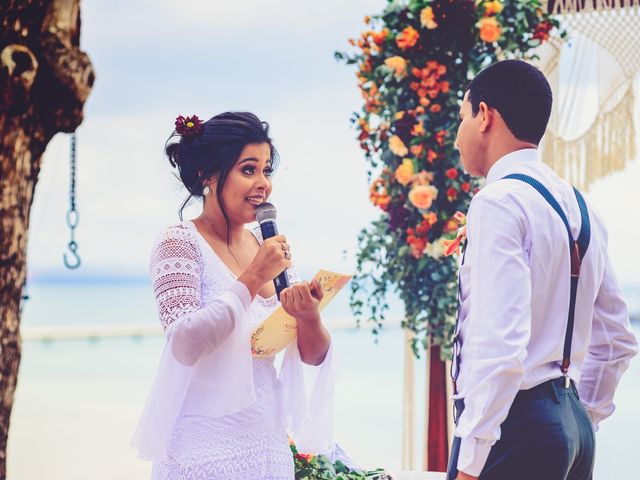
269, 230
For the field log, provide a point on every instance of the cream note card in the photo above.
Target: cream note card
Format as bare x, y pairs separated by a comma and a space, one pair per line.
279, 329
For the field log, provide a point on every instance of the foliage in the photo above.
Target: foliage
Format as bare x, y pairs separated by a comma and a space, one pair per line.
316, 467
414, 61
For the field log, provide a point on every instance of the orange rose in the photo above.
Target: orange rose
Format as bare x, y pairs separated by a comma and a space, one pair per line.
427, 18
450, 225
417, 150
418, 129
422, 196
378, 194
397, 146
404, 172
431, 218
407, 38
493, 8
380, 37
490, 30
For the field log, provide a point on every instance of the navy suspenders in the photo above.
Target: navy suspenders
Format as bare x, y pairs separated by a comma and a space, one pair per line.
577, 249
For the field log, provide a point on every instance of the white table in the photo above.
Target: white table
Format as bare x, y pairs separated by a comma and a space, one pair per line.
406, 475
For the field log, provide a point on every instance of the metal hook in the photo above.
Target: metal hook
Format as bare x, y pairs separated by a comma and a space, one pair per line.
73, 247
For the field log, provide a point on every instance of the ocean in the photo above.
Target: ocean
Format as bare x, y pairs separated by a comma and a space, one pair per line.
78, 401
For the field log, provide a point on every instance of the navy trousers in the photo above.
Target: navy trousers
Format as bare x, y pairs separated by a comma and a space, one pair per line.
547, 436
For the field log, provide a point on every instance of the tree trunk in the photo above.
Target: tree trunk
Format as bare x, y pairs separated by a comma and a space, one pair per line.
44, 81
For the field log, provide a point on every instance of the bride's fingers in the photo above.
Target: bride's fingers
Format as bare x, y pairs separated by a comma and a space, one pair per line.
285, 298
316, 290
299, 293
307, 298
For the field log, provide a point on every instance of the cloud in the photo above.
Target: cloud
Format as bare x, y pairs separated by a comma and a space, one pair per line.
155, 60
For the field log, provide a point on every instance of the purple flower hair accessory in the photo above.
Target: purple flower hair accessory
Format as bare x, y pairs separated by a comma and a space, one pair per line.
188, 126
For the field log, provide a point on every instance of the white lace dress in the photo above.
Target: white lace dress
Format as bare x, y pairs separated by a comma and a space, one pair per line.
215, 412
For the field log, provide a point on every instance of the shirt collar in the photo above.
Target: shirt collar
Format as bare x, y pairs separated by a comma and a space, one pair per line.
511, 162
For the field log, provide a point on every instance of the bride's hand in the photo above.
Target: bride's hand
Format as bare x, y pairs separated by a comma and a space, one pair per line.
301, 301
273, 257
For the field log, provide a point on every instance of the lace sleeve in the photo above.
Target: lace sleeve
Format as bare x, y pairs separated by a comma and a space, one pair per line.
176, 268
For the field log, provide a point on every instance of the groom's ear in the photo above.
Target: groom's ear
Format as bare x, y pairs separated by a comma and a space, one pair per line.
486, 116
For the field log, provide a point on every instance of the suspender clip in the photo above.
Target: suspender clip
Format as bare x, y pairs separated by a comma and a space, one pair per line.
575, 260
565, 371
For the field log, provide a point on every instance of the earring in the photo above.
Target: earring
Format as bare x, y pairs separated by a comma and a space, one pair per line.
206, 191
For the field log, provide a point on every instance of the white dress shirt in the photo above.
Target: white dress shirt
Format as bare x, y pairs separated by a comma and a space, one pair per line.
514, 292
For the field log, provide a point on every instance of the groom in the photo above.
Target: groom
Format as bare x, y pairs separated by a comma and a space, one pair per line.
543, 334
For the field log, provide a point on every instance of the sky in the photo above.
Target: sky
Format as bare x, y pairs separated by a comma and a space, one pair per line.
156, 60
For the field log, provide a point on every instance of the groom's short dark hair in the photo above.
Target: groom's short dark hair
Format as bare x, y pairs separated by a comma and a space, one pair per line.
519, 92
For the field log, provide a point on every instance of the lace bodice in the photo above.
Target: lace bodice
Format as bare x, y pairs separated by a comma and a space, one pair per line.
214, 411
189, 279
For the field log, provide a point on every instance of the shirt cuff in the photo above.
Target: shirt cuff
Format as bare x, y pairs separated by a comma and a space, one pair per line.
473, 455
241, 291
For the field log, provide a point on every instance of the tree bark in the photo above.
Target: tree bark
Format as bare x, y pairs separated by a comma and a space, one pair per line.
44, 82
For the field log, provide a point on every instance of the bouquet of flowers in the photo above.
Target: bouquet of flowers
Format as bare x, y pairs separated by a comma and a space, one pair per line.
316, 467
414, 61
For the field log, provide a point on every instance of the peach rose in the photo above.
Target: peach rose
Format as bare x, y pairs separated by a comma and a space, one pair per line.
397, 146
427, 18
398, 65
422, 196
490, 30
404, 172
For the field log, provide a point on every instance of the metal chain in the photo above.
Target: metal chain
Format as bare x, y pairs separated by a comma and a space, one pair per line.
72, 214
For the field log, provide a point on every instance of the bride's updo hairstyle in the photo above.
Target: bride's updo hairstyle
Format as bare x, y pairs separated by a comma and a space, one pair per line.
211, 149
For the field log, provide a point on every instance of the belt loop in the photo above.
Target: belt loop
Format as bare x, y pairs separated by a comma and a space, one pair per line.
554, 391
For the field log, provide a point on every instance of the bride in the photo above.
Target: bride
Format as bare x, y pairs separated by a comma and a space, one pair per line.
215, 411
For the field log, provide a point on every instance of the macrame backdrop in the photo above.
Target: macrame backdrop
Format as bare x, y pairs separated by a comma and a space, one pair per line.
591, 131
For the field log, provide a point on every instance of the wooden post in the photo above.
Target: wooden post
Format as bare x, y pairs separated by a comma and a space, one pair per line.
437, 439
408, 412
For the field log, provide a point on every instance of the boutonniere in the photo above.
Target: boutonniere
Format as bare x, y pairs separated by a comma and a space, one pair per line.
452, 246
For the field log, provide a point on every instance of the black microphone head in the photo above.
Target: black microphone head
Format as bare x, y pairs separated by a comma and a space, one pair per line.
265, 212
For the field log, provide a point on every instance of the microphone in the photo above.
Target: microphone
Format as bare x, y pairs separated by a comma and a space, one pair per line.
266, 217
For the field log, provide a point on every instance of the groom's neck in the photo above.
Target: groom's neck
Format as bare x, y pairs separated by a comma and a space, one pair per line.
501, 145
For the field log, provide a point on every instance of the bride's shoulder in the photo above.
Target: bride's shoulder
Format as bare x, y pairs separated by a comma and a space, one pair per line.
180, 234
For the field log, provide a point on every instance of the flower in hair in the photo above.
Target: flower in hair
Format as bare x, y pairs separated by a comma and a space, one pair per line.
188, 126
